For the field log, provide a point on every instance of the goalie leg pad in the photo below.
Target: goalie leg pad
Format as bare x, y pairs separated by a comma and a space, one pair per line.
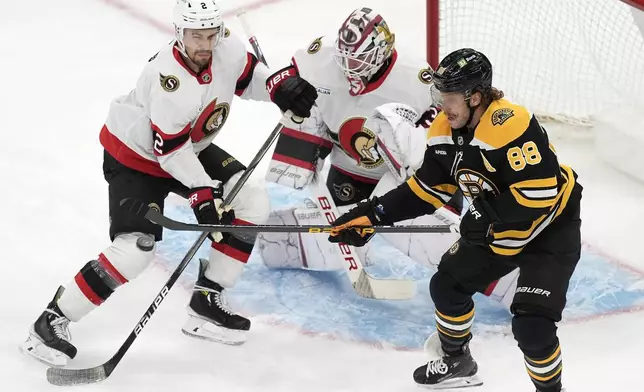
281, 250
121, 262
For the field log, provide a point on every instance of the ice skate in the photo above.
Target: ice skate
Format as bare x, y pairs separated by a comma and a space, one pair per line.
444, 371
49, 338
209, 316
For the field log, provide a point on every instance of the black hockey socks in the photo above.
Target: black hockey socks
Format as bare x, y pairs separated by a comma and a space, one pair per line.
545, 371
454, 330
537, 338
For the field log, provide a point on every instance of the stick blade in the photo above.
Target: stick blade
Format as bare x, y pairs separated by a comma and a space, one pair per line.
370, 287
66, 377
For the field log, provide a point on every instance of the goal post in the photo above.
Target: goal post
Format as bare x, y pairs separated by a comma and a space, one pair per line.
566, 60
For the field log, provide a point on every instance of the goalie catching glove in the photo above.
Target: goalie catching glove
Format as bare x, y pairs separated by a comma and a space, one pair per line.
366, 213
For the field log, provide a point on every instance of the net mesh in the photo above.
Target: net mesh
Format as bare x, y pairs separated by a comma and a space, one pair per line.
566, 60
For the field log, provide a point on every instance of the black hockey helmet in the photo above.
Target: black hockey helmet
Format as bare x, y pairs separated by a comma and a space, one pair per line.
464, 71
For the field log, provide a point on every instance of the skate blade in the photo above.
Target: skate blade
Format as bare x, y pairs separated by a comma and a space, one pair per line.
203, 329
35, 348
456, 383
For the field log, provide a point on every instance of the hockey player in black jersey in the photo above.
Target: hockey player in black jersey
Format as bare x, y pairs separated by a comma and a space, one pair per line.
524, 211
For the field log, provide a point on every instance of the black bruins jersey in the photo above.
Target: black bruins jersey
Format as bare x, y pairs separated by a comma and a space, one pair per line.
509, 157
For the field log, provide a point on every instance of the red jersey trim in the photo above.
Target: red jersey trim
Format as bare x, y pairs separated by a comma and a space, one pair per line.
203, 77
128, 157
167, 136
356, 177
294, 64
244, 80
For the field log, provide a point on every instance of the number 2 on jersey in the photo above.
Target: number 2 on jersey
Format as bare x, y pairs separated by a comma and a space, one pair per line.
528, 154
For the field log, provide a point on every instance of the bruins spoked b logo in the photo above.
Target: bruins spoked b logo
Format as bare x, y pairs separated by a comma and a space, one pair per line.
501, 115
169, 83
473, 184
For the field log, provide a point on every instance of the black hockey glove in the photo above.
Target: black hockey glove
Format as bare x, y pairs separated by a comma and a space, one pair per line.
366, 213
205, 202
476, 224
291, 92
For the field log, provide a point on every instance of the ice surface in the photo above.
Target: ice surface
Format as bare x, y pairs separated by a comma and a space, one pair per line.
61, 66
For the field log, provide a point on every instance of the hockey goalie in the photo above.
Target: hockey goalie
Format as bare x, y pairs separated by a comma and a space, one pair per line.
368, 142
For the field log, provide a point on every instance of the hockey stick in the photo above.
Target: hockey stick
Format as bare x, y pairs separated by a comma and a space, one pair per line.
251, 38
158, 218
64, 377
259, 54
362, 283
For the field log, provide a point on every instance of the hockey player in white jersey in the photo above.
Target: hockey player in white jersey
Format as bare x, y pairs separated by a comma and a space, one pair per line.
357, 75
158, 139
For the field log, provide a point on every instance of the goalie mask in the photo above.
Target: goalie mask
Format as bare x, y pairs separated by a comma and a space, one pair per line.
197, 15
363, 45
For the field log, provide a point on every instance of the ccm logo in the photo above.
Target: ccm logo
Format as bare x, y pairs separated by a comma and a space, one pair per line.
279, 78
345, 249
533, 290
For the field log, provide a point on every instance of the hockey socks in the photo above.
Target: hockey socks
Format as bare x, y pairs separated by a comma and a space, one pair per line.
454, 330
545, 371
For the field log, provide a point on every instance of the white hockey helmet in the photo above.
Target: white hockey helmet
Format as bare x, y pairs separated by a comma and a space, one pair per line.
196, 14
363, 45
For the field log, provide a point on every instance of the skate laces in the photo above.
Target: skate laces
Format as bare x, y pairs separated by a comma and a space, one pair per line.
60, 325
437, 366
220, 301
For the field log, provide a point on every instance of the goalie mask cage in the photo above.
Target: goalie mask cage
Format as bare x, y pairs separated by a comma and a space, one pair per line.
565, 60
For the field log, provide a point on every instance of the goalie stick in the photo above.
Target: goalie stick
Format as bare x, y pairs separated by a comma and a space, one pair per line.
65, 377
362, 283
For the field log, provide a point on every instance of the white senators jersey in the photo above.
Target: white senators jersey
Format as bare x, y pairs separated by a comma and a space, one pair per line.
175, 113
403, 81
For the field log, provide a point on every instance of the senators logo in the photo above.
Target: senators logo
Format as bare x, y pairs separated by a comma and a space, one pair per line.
360, 143
211, 120
344, 192
473, 184
315, 46
169, 83
425, 76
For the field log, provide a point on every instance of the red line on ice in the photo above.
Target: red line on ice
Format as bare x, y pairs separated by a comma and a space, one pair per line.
163, 27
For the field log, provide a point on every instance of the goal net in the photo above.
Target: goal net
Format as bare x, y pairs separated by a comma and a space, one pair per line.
566, 60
